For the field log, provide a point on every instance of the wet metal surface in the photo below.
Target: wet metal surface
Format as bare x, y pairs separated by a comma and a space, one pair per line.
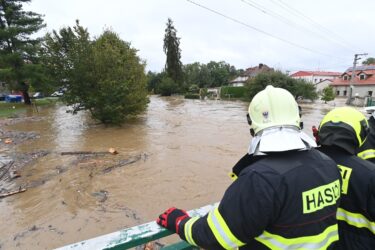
184, 150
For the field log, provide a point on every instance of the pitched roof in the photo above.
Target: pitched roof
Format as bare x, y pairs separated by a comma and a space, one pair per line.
315, 73
370, 79
252, 72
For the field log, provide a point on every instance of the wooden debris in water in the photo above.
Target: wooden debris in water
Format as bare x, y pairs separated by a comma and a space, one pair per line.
112, 151
6, 169
20, 190
122, 163
85, 153
8, 141
14, 174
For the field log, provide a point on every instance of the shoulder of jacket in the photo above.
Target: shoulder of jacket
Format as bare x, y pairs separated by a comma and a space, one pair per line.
321, 154
363, 163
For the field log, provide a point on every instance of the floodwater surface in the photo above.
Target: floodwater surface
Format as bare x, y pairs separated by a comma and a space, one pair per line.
178, 153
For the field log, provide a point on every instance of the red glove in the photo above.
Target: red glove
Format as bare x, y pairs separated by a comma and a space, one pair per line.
172, 218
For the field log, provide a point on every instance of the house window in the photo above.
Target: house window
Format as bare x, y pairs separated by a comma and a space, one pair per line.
362, 77
344, 92
338, 92
345, 78
370, 93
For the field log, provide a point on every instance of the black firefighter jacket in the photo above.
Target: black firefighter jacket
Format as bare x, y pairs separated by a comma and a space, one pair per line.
284, 200
356, 214
367, 150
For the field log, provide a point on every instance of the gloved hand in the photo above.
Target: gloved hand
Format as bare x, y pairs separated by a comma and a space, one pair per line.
171, 218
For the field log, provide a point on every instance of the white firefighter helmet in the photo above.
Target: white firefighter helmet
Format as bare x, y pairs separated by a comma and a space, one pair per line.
275, 119
273, 107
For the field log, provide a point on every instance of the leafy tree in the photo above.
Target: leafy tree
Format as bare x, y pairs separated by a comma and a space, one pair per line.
118, 81
297, 88
192, 73
153, 80
167, 86
194, 88
328, 94
104, 76
173, 65
18, 51
303, 89
63, 52
368, 61
213, 74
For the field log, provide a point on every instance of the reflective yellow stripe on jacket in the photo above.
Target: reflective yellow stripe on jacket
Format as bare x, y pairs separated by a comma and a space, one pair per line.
367, 154
320, 241
356, 220
188, 232
221, 231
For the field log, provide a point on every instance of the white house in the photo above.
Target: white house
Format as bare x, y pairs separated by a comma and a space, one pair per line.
315, 76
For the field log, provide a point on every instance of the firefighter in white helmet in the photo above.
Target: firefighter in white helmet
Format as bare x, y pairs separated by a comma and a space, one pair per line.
285, 192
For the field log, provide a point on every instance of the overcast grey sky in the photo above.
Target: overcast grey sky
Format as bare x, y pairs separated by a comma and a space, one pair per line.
284, 34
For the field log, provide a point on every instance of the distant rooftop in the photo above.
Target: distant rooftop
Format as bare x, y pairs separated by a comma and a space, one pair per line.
362, 67
315, 73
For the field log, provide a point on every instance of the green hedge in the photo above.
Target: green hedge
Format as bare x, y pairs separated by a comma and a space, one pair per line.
232, 92
192, 96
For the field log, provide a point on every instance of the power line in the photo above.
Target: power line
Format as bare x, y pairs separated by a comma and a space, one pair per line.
317, 25
261, 31
288, 21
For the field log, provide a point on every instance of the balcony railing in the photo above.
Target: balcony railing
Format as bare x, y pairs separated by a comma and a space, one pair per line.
135, 236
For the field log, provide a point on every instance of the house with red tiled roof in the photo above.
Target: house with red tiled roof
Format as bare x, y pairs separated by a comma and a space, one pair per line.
363, 85
250, 73
315, 77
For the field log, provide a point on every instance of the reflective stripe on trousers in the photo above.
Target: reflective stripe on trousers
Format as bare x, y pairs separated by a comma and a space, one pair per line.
356, 220
319, 241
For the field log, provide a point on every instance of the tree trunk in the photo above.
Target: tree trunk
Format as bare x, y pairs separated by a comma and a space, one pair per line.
26, 97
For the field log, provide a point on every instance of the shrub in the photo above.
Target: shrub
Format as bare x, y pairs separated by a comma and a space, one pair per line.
232, 92
192, 96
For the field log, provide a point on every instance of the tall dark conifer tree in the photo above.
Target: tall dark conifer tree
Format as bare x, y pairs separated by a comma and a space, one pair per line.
173, 65
18, 61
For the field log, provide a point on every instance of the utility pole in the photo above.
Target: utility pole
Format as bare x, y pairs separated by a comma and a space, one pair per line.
352, 78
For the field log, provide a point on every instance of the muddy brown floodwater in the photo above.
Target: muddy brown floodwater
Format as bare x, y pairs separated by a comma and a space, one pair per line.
179, 153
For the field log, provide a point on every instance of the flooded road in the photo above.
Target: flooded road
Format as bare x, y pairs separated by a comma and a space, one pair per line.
179, 153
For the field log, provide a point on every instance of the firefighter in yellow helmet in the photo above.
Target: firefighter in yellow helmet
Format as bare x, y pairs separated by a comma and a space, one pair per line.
341, 132
285, 194
367, 150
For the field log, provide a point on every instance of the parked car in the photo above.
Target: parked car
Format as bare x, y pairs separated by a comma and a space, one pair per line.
57, 94
13, 98
38, 95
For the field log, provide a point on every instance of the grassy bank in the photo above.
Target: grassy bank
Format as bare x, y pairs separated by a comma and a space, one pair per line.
12, 109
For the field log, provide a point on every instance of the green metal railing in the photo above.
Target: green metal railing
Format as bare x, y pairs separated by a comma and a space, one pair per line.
135, 236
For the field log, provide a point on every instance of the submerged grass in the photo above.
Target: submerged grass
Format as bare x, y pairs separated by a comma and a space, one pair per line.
12, 109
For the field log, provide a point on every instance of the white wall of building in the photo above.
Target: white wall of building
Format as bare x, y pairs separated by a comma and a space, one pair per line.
362, 91
321, 85
315, 78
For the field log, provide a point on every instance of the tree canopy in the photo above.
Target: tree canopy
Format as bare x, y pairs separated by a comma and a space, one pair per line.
298, 88
173, 65
18, 50
368, 61
328, 94
213, 74
104, 76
